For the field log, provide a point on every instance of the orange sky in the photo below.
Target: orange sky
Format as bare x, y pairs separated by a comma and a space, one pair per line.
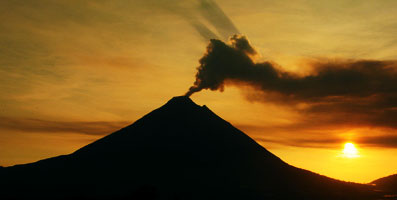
74, 72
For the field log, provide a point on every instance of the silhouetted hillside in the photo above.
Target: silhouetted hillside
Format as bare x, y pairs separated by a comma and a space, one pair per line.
179, 151
387, 184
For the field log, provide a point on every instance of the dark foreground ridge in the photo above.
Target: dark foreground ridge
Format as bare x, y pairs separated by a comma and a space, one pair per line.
387, 184
178, 151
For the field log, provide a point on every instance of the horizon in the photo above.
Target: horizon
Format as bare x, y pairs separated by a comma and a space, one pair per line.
73, 73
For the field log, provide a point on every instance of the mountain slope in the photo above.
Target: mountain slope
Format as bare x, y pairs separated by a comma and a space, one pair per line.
179, 151
387, 184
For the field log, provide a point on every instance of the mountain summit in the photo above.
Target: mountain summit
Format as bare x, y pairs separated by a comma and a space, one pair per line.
178, 151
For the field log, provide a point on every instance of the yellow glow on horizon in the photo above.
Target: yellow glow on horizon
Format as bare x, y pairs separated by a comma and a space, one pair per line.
350, 151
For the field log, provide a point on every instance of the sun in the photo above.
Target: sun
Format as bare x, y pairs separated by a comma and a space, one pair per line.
350, 151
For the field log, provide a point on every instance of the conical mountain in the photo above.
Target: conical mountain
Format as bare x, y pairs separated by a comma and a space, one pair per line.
178, 151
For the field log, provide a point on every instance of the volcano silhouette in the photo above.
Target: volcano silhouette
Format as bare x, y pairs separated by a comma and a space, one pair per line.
178, 151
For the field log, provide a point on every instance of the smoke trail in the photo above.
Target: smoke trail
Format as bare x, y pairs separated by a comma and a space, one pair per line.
232, 62
364, 90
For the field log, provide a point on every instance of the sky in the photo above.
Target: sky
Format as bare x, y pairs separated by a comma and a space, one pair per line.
73, 72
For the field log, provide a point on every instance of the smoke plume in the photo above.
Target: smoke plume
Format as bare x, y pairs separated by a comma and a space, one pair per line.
232, 62
366, 90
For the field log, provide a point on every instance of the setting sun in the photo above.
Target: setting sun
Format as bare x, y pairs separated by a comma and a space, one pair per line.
350, 151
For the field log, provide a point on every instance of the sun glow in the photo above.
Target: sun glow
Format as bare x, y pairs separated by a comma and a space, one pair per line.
350, 151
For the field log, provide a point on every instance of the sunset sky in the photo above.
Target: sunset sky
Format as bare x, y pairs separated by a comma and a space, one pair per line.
73, 72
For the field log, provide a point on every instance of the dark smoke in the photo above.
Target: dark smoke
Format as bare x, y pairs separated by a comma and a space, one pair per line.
232, 62
222, 62
363, 90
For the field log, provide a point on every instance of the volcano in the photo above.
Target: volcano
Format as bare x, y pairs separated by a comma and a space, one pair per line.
178, 151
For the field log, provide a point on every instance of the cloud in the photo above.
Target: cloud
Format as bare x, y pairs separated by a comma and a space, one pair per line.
330, 141
335, 92
306, 143
389, 141
38, 125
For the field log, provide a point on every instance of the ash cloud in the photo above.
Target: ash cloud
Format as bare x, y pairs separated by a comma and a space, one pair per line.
357, 92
